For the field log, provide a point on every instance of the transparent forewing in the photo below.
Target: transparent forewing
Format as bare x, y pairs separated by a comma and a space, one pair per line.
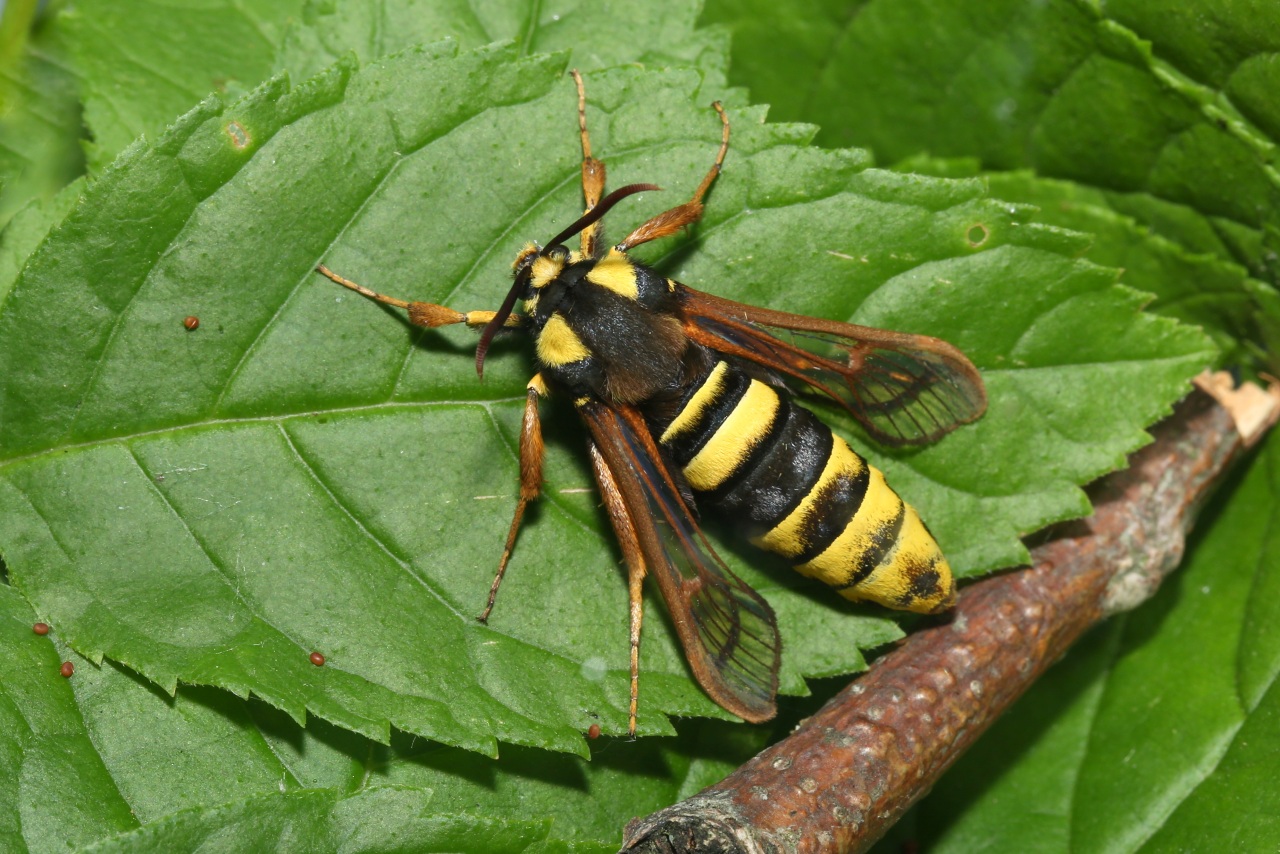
729, 633
905, 389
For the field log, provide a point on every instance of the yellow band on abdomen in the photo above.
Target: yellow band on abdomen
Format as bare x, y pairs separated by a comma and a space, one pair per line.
731, 444
839, 562
785, 539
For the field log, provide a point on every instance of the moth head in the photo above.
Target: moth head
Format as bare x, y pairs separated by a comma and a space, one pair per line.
535, 268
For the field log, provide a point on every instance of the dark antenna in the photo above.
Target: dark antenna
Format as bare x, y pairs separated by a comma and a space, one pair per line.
597, 213
491, 328
589, 218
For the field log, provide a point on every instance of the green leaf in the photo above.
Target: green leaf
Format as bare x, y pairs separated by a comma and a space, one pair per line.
54, 790
90, 757
1199, 288
28, 229
1059, 87
143, 62
1194, 287
332, 28
1159, 733
590, 801
1161, 111
325, 820
304, 472
40, 124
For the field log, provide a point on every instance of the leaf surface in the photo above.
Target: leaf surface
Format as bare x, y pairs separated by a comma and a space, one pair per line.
54, 789
325, 820
143, 62
1062, 87
1151, 112
1198, 286
331, 28
305, 473
40, 115
105, 758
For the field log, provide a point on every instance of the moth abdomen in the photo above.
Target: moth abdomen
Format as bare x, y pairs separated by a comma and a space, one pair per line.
796, 489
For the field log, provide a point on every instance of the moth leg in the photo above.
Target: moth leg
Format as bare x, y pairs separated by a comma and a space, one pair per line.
423, 313
592, 174
636, 571
531, 452
669, 222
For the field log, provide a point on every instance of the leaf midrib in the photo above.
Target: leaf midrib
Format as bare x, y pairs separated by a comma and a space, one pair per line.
369, 409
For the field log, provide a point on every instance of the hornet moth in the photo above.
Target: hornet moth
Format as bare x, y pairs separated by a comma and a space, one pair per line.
690, 400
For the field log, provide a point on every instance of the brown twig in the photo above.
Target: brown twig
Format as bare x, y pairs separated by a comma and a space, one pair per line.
850, 771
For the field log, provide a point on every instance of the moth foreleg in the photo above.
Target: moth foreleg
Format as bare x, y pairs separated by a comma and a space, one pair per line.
423, 313
671, 221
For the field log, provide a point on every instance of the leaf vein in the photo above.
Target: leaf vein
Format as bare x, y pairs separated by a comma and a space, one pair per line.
306, 277
214, 563
369, 535
263, 419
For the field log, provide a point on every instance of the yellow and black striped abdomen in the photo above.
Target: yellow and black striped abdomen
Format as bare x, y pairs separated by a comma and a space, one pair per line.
796, 489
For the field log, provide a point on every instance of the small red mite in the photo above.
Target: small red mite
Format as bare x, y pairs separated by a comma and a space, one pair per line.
67, 669
593, 731
317, 659
191, 322
40, 628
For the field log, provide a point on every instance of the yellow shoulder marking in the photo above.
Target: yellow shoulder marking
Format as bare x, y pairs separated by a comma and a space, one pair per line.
707, 394
544, 271
734, 439
615, 272
538, 384
560, 345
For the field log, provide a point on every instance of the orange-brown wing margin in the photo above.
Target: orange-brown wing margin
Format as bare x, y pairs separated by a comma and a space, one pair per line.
729, 632
905, 389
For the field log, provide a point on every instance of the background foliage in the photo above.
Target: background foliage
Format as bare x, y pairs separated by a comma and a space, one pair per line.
194, 512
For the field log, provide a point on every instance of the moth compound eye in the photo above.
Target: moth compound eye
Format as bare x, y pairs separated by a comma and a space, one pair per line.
557, 253
525, 258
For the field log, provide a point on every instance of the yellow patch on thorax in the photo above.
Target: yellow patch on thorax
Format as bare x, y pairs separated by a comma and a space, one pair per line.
559, 345
545, 270
615, 272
